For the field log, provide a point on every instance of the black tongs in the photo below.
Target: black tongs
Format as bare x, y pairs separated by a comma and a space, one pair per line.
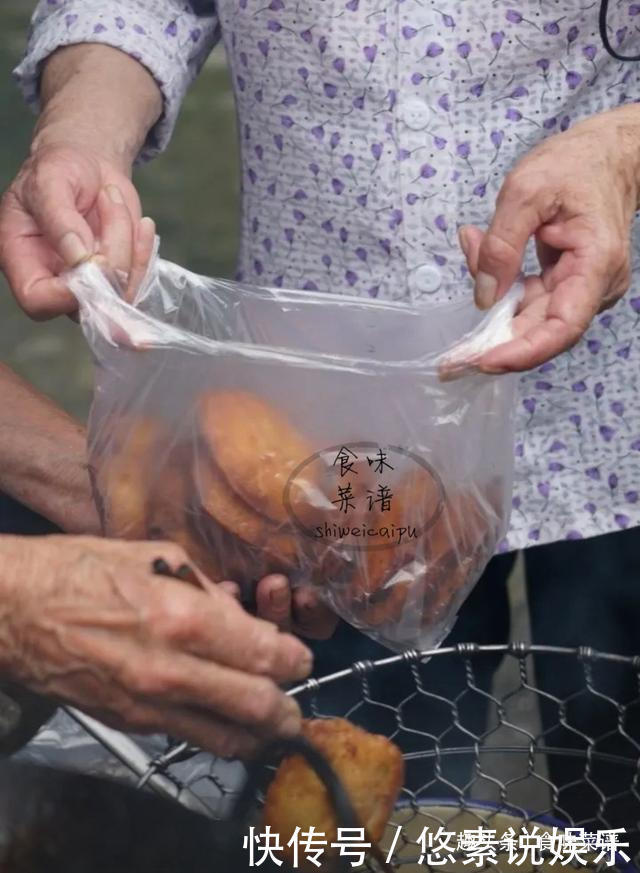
346, 816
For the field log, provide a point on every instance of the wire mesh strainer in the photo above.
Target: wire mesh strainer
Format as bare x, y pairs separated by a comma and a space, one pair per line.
560, 753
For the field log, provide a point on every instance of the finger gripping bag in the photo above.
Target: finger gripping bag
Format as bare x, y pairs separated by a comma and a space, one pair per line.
345, 442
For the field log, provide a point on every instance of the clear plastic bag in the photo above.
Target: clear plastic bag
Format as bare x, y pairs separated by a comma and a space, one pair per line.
346, 442
63, 743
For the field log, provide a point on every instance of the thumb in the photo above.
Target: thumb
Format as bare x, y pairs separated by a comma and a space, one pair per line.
470, 238
54, 207
502, 249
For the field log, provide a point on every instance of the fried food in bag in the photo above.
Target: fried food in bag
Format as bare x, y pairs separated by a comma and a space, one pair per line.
238, 517
124, 478
258, 450
325, 437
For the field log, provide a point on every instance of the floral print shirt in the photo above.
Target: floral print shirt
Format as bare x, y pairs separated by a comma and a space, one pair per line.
370, 131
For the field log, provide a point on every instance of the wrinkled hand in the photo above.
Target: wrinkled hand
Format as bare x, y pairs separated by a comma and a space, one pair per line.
576, 194
63, 207
85, 621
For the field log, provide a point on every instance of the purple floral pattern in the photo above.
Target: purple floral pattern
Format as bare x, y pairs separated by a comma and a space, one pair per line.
369, 133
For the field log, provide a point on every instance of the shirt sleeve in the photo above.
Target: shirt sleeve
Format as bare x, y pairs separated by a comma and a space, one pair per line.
171, 38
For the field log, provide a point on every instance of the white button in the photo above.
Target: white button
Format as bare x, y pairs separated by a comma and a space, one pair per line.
415, 113
425, 280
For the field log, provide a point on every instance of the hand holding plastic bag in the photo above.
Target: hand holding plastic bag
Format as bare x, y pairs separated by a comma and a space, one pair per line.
316, 435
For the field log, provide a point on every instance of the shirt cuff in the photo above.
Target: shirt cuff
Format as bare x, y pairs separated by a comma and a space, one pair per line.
171, 48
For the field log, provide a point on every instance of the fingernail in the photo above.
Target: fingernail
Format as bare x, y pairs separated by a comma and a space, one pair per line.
279, 595
115, 195
305, 600
493, 371
230, 588
486, 287
72, 249
306, 615
302, 665
291, 724
463, 239
148, 225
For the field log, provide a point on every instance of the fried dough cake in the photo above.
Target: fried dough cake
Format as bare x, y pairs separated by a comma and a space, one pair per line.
142, 502
124, 477
258, 450
435, 566
385, 576
458, 541
237, 517
168, 516
370, 767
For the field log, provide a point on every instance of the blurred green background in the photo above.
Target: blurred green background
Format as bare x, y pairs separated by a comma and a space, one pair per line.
191, 192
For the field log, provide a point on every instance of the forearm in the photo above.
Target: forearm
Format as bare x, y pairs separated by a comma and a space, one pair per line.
43, 457
99, 97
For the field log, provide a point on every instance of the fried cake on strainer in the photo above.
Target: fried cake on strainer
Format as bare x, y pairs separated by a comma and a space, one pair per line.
370, 767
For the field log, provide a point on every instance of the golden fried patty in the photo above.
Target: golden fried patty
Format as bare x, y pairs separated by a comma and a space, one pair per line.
370, 767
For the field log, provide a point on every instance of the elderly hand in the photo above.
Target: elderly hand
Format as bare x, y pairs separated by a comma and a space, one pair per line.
98, 105
87, 622
576, 194
58, 212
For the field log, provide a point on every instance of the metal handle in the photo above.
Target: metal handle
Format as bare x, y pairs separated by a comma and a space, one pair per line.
132, 756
